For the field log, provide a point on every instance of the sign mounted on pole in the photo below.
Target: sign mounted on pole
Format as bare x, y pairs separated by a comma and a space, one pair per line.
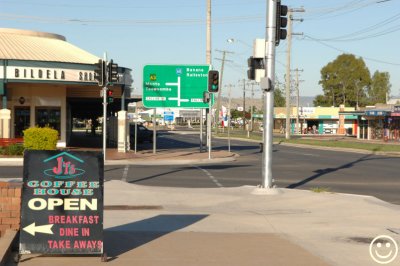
179, 86
62, 203
168, 116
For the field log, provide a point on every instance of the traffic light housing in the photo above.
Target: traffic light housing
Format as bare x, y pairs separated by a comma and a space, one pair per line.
213, 81
112, 72
254, 63
251, 72
100, 72
110, 98
206, 97
281, 22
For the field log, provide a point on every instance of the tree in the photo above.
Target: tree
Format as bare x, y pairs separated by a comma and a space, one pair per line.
236, 114
344, 81
321, 100
279, 99
380, 87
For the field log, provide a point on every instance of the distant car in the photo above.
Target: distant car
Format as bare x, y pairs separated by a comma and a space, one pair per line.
143, 134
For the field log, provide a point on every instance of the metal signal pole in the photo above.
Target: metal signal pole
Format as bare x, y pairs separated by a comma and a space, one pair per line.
287, 91
268, 86
105, 111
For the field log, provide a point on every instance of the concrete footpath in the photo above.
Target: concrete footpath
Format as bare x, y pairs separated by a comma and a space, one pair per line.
236, 226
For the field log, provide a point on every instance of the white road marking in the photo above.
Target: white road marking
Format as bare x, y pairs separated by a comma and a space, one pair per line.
125, 173
301, 153
210, 176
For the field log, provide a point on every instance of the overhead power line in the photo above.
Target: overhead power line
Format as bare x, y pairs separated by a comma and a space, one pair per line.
332, 12
231, 19
353, 36
343, 51
120, 5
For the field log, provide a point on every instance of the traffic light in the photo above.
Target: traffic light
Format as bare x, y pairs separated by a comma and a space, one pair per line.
281, 22
100, 72
110, 98
213, 81
251, 72
254, 63
206, 97
112, 72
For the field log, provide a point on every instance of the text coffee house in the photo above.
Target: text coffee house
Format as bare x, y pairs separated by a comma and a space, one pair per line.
46, 81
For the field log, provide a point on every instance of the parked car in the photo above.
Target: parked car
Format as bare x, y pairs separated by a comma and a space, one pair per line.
143, 134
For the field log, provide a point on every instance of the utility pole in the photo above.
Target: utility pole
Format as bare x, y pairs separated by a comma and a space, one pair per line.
297, 98
229, 117
252, 107
208, 38
220, 84
289, 48
244, 104
208, 62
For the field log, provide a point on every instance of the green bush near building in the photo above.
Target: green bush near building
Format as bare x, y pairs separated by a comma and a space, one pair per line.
13, 149
40, 138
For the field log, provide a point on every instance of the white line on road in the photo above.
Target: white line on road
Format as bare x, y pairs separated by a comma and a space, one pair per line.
210, 176
301, 153
125, 173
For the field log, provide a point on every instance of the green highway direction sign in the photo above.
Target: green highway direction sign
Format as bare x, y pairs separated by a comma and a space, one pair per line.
180, 86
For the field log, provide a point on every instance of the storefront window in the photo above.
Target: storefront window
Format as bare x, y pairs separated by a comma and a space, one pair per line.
49, 116
22, 120
376, 128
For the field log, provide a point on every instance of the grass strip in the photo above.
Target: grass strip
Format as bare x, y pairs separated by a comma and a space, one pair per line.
326, 141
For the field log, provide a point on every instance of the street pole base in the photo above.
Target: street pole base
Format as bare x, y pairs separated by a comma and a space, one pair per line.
267, 191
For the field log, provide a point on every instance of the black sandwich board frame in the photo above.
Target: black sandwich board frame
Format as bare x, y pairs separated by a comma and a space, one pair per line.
62, 203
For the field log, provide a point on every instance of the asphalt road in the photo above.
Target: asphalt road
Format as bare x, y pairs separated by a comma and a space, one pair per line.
293, 167
300, 168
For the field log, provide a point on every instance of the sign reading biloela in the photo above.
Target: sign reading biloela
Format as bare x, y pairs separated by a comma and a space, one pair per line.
62, 203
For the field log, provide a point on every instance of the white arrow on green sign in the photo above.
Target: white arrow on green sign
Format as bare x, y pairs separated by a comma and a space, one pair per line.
180, 86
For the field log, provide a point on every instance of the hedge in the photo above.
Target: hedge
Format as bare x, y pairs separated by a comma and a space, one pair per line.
40, 138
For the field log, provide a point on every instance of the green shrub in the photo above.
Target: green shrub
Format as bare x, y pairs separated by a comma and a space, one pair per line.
40, 138
13, 149
320, 189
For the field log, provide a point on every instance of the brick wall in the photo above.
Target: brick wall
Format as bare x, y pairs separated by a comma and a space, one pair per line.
10, 206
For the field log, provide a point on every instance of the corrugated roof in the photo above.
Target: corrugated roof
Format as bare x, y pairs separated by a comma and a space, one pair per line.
41, 46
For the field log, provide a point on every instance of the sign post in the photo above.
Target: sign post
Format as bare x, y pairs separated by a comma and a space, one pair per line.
62, 203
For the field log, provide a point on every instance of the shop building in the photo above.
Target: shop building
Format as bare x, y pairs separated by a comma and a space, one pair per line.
46, 81
317, 120
379, 122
